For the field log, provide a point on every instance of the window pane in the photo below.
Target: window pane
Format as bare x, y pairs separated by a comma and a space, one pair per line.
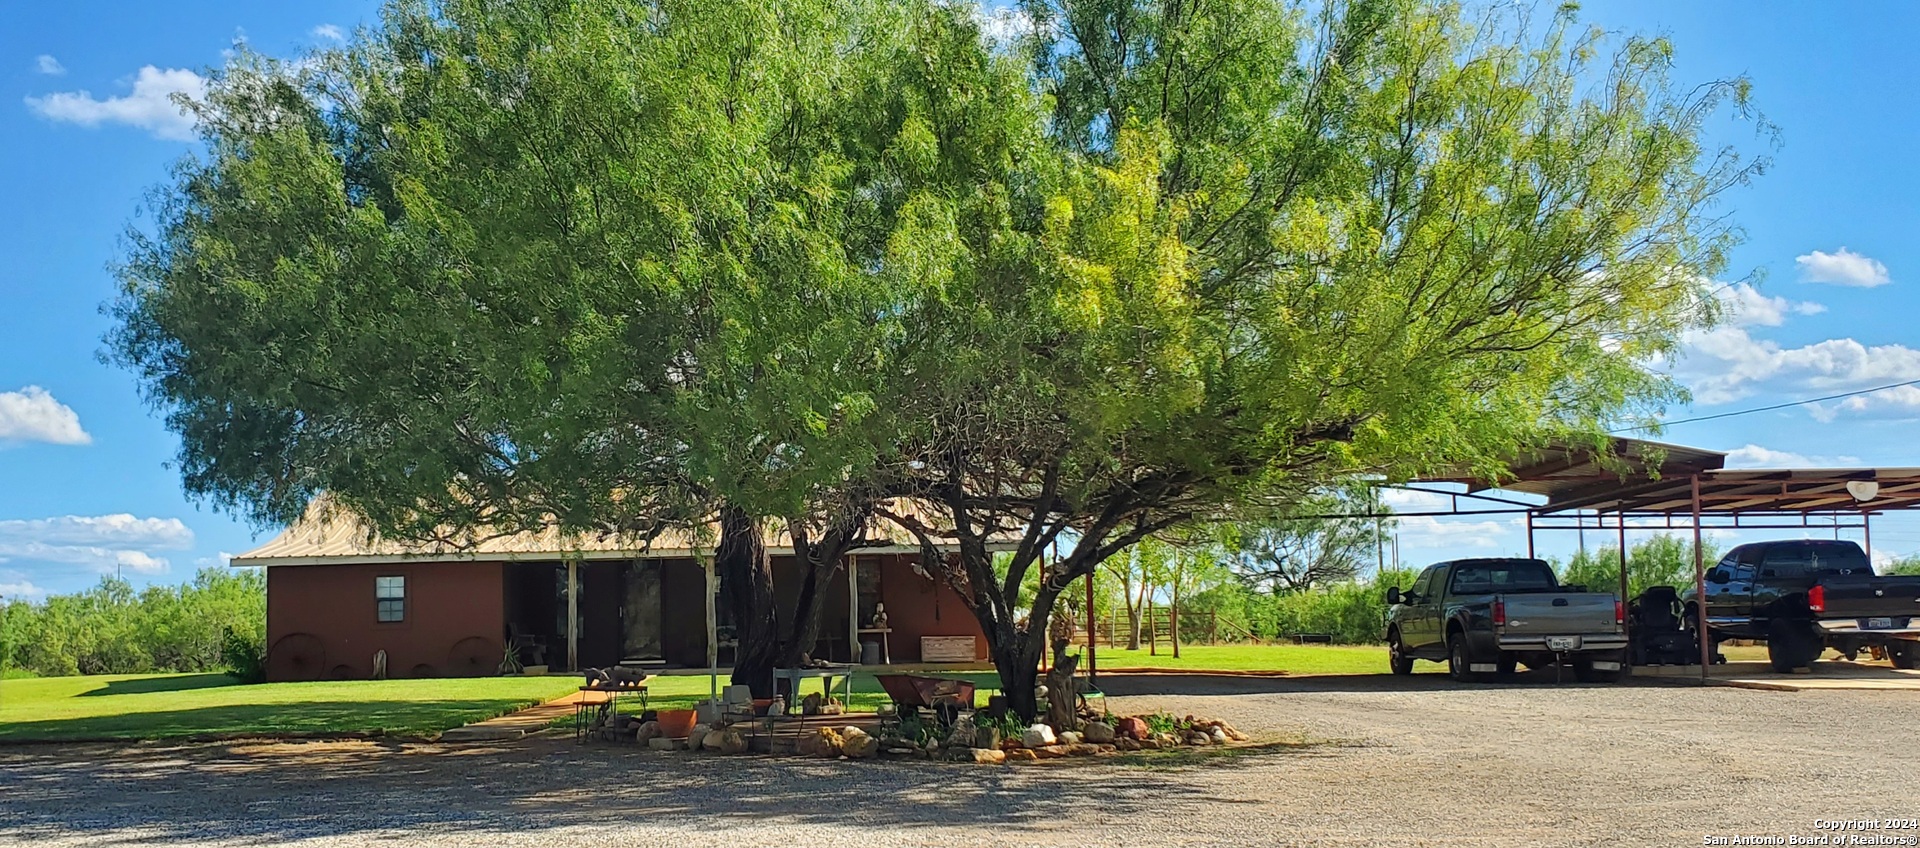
389, 587
392, 610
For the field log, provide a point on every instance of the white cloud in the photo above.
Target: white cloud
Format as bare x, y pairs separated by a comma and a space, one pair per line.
1755, 456
45, 64
1843, 268
221, 559
21, 589
329, 32
32, 415
1743, 305
150, 106
1727, 364
1429, 532
99, 542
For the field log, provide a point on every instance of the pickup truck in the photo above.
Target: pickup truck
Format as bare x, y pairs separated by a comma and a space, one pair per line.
1483, 616
1805, 595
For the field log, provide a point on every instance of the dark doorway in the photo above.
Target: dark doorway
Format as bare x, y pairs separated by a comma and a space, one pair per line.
640, 615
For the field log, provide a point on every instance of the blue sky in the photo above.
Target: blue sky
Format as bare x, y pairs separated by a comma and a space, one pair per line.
86, 129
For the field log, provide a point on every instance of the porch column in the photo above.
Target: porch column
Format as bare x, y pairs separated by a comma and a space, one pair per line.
713, 634
573, 615
853, 608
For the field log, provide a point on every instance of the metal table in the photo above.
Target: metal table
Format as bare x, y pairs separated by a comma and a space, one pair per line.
589, 713
793, 676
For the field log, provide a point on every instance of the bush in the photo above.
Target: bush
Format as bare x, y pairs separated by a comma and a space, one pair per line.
111, 629
244, 653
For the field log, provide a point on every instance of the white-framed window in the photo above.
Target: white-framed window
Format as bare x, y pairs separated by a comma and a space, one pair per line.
390, 598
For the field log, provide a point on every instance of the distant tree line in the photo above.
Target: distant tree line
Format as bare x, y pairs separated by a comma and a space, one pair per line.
216, 622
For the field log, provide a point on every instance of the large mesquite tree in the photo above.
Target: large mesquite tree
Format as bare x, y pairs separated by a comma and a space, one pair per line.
605, 266
1281, 246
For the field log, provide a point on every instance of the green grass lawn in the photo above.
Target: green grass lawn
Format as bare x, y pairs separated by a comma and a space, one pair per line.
157, 706
1292, 659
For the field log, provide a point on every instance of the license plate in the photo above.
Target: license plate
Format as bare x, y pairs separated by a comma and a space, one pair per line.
1879, 624
1562, 643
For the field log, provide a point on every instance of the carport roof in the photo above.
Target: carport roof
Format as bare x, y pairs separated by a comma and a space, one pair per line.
1655, 478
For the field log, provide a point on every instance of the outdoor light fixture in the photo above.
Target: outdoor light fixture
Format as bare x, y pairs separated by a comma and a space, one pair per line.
1863, 490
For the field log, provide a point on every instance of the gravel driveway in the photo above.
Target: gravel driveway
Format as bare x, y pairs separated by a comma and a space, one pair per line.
1380, 761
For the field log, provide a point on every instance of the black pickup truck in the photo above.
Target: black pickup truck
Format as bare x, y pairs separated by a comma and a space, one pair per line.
1805, 595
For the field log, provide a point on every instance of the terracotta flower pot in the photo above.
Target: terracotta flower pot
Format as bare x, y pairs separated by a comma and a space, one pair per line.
675, 724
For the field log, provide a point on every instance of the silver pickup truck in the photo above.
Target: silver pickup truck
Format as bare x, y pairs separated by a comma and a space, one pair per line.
1484, 616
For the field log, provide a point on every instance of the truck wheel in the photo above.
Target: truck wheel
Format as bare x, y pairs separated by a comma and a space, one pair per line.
1459, 665
1791, 645
1904, 654
1397, 657
1584, 671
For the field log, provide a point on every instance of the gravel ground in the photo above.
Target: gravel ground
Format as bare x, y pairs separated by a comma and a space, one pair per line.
1367, 761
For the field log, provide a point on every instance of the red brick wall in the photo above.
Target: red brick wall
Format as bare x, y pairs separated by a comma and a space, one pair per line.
446, 604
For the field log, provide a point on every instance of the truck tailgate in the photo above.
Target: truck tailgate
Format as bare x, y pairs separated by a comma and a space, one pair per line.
1878, 603
1559, 613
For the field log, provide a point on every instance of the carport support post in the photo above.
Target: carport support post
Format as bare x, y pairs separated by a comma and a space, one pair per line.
1093, 668
1621, 519
1530, 534
1700, 588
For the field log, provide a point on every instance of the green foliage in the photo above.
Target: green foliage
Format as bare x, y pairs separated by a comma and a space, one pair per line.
1663, 560
1909, 566
611, 265
110, 629
1304, 546
244, 654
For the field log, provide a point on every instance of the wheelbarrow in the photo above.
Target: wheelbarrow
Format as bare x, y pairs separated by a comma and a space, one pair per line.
945, 696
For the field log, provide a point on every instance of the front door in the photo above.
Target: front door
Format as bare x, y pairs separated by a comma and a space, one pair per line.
640, 613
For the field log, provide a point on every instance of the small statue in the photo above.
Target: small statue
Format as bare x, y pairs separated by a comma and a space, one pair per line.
879, 616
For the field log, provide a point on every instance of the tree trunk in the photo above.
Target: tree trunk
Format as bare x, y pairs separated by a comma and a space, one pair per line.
1173, 620
1061, 697
1019, 668
1133, 616
808, 609
741, 560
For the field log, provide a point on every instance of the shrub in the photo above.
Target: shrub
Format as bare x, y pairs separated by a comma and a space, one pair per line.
244, 653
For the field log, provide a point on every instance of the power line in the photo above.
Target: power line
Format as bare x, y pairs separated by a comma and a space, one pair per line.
1766, 408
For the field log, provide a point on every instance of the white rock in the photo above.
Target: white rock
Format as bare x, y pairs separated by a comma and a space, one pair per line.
1037, 736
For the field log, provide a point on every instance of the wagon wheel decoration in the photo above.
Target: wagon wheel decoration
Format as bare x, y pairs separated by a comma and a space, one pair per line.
300, 656
474, 656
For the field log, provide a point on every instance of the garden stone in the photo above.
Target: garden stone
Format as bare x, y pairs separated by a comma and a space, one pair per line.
1126, 744
1037, 736
698, 736
647, 732
1069, 737
713, 741
1021, 754
857, 744
1219, 736
824, 743
1099, 732
962, 735
1197, 738
985, 756
986, 737
1133, 727
1049, 752
662, 743
1082, 749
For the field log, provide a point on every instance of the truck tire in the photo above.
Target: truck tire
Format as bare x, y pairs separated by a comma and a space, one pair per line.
1791, 644
1904, 654
1584, 671
1459, 662
1397, 657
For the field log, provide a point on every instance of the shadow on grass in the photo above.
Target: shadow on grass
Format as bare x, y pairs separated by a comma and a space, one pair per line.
305, 717
173, 683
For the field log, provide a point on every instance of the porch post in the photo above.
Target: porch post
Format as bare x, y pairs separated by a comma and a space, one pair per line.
853, 608
713, 635
573, 615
